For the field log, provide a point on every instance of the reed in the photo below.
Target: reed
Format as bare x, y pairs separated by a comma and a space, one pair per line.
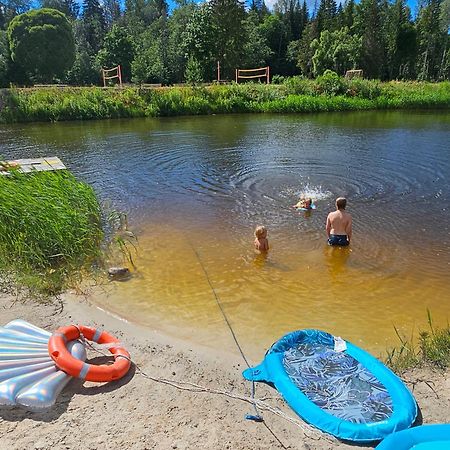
432, 348
296, 94
50, 229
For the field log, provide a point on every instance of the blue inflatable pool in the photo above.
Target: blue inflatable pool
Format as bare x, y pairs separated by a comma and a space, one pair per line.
426, 437
336, 386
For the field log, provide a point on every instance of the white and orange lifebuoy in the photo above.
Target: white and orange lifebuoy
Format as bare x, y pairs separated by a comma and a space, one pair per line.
67, 363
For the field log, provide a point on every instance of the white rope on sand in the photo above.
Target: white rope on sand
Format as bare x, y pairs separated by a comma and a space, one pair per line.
307, 430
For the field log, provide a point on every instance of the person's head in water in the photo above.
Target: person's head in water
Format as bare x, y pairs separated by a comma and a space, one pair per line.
341, 203
260, 232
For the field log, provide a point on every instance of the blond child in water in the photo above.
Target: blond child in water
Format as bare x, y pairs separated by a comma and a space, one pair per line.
261, 242
305, 203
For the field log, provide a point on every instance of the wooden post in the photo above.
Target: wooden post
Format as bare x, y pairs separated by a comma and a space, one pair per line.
237, 75
103, 76
268, 75
119, 73
218, 71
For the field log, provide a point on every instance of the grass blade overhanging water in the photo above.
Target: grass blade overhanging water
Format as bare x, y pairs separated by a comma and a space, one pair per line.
432, 348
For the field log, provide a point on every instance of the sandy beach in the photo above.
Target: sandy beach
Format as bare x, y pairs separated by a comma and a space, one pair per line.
138, 412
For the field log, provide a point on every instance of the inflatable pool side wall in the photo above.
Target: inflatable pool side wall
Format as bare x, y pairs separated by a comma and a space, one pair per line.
407, 439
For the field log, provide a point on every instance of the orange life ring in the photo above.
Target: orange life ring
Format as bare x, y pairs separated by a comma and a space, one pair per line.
77, 368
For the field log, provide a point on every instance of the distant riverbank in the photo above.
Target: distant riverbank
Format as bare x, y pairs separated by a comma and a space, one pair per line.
294, 95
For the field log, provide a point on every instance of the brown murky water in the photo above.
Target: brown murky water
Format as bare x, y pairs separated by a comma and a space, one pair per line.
195, 188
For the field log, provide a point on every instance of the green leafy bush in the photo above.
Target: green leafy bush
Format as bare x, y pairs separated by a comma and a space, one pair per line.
331, 83
301, 86
369, 89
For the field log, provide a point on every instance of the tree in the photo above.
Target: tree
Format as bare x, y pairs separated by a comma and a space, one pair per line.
176, 53
400, 41
326, 15
348, 14
301, 51
12, 8
68, 7
112, 12
151, 62
257, 52
4, 60
433, 42
41, 41
290, 11
117, 49
141, 13
335, 50
275, 32
93, 25
193, 74
2, 17
198, 40
368, 24
229, 33
445, 15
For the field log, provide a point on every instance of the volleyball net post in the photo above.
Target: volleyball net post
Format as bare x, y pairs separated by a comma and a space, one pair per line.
264, 72
111, 74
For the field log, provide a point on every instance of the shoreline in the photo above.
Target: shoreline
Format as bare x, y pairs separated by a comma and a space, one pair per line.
140, 413
53, 104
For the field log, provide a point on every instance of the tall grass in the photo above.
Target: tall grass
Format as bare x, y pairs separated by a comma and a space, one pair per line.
431, 348
296, 94
50, 229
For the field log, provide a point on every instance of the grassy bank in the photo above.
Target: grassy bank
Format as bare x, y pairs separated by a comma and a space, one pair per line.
50, 229
293, 95
430, 348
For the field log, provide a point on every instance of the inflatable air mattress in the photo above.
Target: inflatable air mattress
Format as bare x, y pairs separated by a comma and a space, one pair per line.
28, 376
336, 387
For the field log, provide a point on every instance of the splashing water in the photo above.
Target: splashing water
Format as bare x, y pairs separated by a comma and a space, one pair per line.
307, 191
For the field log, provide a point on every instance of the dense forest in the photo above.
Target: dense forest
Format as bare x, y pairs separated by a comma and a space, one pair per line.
155, 44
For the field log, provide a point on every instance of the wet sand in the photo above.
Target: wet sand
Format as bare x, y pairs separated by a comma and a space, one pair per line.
140, 413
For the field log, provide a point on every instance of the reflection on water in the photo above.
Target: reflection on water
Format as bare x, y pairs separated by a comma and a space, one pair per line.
195, 188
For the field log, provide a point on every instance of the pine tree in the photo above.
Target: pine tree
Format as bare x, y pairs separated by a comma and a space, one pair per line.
349, 14
94, 25
432, 43
369, 26
326, 15
69, 7
112, 11
400, 41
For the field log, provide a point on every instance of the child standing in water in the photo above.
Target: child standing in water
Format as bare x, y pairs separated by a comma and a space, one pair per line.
261, 242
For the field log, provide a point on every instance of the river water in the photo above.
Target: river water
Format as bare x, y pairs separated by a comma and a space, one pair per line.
194, 188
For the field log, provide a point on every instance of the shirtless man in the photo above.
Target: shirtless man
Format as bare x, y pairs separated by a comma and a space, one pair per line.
339, 224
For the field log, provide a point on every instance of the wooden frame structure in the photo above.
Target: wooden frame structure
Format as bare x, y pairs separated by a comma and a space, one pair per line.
250, 73
355, 73
106, 76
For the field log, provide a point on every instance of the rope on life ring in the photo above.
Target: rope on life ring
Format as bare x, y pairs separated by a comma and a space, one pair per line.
57, 349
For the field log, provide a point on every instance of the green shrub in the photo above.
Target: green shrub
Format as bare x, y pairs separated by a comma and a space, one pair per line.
331, 83
300, 86
278, 79
360, 87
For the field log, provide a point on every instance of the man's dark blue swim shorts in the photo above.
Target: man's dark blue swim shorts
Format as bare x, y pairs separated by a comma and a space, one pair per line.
338, 239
